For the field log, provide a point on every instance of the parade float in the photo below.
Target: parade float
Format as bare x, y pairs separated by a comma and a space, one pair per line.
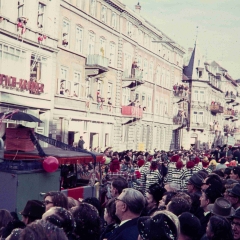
28, 170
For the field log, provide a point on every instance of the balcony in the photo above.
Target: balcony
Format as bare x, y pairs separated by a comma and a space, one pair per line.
132, 79
235, 116
96, 64
179, 122
216, 108
132, 111
229, 114
230, 97
199, 126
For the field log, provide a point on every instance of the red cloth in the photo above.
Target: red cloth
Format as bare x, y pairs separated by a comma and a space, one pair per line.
190, 164
179, 164
115, 165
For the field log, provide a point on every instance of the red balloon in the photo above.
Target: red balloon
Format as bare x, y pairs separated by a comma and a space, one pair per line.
50, 164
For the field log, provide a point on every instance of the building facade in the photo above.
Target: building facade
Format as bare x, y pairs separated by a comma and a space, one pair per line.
114, 78
28, 50
213, 111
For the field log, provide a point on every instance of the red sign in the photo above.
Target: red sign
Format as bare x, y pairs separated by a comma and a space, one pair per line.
22, 84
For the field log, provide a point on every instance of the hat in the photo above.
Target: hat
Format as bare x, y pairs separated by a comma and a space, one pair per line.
34, 209
190, 164
158, 227
175, 158
235, 190
140, 162
222, 207
196, 180
196, 160
179, 164
115, 165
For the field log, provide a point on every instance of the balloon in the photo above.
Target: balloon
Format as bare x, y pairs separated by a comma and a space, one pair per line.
50, 164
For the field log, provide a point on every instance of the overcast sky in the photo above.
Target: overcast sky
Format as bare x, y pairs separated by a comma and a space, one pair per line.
218, 24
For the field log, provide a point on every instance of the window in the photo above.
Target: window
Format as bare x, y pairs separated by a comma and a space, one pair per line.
145, 69
198, 117
93, 7
65, 85
99, 86
77, 85
102, 50
157, 105
65, 33
161, 106
198, 95
104, 14
144, 101
88, 88
158, 76
149, 103
91, 43
79, 39
163, 78
109, 92
21, 8
112, 52
146, 40
114, 20
9, 57
201, 96
41, 11
140, 62
127, 63
78, 3
125, 96
140, 36
129, 29
165, 107
38, 67
150, 77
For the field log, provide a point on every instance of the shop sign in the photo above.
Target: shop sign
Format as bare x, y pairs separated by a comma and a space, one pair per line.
22, 84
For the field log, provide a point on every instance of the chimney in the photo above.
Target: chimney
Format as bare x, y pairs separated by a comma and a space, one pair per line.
138, 8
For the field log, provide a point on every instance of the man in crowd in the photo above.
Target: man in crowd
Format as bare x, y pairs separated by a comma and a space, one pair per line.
81, 142
236, 225
129, 206
233, 196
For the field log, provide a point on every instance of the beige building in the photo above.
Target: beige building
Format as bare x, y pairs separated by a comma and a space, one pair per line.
213, 111
115, 74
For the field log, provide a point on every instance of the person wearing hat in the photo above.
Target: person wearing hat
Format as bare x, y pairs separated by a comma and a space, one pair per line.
159, 226
153, 196
236, 225
194, 184
221, 207
33, 210
235, 173
233, 196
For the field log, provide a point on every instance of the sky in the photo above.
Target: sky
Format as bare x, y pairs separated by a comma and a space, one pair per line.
216, 23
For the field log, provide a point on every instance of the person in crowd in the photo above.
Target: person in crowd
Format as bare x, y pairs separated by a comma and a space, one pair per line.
95, 202
33, 210
5, 218
212, 180
178, 206
218, 228
189, 227
208, 196
72, 202
129, 205
111, 219
55, 199
228, 185
117, 186
222, 164
61, 218
153, 196
235, 173
42, 230
11, 226
87, 222
81, 143
172, 187
167, 196
236, 154
236, 225
160, 226
233, 196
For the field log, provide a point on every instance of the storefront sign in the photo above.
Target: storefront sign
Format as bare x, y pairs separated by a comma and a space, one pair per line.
22, 84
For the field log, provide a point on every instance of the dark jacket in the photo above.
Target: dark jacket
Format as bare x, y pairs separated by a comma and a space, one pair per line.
127, 231
80, 144
204, 221
108, 231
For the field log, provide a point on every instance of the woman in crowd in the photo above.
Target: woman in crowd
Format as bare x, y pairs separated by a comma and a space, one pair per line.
55, 199
5, 218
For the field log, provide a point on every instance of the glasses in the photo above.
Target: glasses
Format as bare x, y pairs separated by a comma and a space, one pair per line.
117, 199
236, 224
47, 202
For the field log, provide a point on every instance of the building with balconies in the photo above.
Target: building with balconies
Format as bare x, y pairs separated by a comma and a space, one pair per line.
28, 49
114, 79
213, 104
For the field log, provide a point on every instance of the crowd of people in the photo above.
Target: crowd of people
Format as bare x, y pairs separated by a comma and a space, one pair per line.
178, 195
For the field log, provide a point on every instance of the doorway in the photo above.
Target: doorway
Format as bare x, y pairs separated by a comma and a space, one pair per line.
71, 138
94, 140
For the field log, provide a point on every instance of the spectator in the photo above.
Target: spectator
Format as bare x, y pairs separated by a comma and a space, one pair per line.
233, 196
236, 225
117, 186
189, 227
55, 199
178, 206
33, 210
235, 173
153, 196
167, 196
5, 218
212, 180
129, 206
159, 226
87, 222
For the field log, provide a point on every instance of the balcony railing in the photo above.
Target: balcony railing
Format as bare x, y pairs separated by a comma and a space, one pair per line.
132, 111
216, 108
199, 126
230, 97
97, 60
229, 113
